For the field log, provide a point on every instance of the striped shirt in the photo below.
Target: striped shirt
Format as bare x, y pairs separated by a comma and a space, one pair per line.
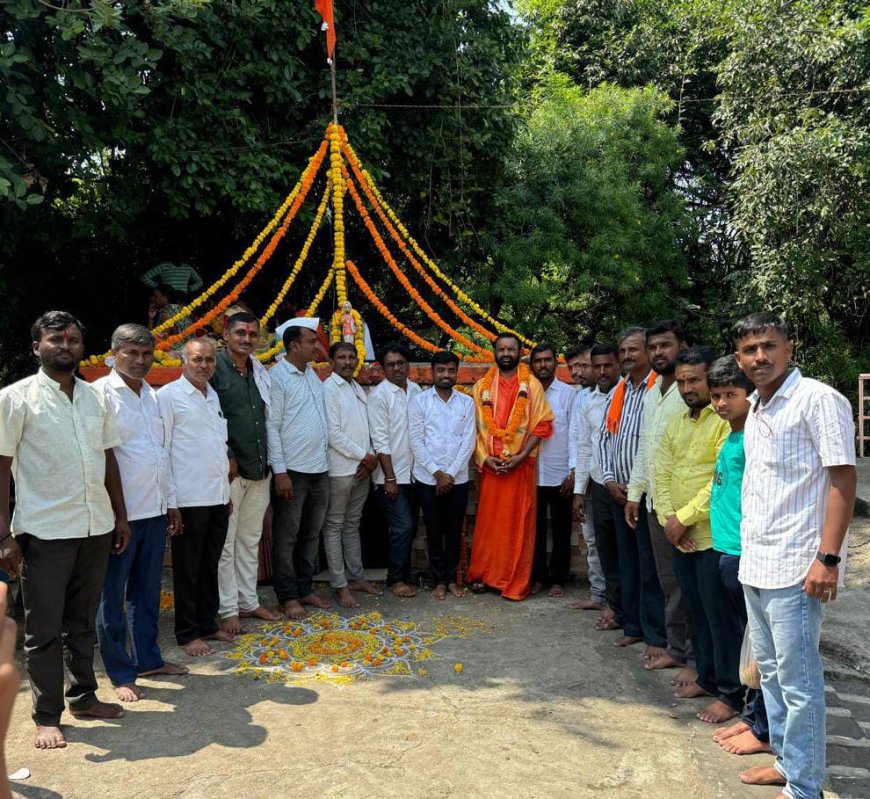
296, 425
181, 277
790, 442
616, 452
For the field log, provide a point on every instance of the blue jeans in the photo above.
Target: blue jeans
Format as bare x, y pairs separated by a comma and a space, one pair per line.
134, 574
401, 514
754, 713
643, 603
785, 625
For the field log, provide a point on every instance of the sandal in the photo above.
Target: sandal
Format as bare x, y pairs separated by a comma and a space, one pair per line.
478, 587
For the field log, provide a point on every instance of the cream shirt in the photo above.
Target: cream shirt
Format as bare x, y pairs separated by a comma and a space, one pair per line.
348, 425
58, 450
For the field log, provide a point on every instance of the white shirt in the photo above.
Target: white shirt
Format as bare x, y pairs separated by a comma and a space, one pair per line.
442, 435
195, 434
348, 423
583, 395
588, 464
142, 460
388, 425
58, 450
658, 410
554, 457
790, 441
296, 421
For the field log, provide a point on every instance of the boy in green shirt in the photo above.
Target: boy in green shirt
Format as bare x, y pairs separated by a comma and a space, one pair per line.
729, 396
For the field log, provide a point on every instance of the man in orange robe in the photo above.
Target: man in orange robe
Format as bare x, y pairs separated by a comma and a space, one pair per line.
513, 416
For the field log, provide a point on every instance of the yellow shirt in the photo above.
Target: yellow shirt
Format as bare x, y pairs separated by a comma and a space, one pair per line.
686, 459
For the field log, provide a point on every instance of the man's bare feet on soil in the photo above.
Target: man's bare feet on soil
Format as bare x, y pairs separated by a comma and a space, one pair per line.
536, 589
49, 738
626, 640
345, 598
220, 635
556, 591
663, 662
690, 691
685, 676
653, 652
723, 733
292, 609
586, 604
315, 601
129, 692
744, 744
607, 621
439, 592
266, 614
717, 712
366, 587
197, 648
233, 625
762, 775
172, 669
99, 710
454, 589
403, 590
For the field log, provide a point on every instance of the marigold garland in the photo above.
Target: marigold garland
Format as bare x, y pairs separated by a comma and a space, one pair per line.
518, 412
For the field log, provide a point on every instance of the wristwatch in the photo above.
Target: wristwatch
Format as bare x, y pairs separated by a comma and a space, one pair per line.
827, 558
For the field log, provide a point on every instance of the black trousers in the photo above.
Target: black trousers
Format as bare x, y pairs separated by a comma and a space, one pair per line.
61, 583
443, 515
608, 550
561, 517
195, 557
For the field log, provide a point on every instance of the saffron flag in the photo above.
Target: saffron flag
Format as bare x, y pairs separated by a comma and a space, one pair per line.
324, 8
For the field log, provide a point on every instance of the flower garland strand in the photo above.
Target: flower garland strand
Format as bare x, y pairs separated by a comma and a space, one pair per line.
335, 176
402, 278
463, 297
518, 412
488, 335
308, 178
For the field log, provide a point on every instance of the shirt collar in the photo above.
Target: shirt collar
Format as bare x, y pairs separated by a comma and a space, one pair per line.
293, 369
46, 381
115, 380
784, 392
189, 388
705, 412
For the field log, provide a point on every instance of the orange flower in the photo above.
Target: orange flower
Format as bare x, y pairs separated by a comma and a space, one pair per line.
518, 412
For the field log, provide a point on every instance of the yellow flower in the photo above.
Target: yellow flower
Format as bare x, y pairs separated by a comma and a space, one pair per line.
458, 668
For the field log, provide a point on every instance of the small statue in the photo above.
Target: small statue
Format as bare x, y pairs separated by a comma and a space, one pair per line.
348, 324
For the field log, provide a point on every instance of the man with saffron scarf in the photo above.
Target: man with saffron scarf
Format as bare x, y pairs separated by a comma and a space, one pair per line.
513, 416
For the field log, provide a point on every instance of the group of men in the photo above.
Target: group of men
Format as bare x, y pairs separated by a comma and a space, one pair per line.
713, 493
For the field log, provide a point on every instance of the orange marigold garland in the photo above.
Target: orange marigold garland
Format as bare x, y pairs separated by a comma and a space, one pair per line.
518, 412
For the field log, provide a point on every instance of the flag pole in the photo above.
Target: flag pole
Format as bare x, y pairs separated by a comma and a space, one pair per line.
334, 90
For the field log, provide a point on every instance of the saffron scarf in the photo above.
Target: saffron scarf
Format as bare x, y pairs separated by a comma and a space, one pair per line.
614, 412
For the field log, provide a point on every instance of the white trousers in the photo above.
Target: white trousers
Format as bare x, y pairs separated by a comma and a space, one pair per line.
237, 570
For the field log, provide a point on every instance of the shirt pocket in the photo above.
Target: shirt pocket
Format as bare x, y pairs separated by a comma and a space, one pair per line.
460, 425
93, 431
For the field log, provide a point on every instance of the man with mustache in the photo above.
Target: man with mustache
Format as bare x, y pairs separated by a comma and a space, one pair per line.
643, 604
513, 416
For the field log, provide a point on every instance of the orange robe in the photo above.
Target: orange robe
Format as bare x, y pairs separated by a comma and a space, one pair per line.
504, 529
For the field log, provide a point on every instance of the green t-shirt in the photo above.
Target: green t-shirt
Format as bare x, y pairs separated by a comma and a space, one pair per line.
725, 508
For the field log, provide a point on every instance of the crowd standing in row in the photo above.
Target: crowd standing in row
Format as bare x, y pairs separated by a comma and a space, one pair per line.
713, 493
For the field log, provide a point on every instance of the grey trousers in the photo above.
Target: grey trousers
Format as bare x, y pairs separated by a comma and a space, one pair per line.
593, 562
61, 582
676, 624
347, 498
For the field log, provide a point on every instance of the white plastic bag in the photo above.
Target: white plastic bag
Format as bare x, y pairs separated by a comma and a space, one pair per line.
750, 676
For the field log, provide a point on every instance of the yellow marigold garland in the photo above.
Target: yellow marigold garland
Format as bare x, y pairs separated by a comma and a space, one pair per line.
337, 182
518, 412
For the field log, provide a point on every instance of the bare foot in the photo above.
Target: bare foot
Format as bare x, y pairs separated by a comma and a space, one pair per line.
717, 712
266, 614
99, 710
365, 586
454, 589
232, 625
586, 604
690, 691
653, 652
762, 775
744, 744
403, 590
626, 640
556, 591
536, 589
220, 635
175, 669
345, 598
440, 592
197, 648
292, 609
685, 676
663, 662
723, 733
49, 738
129, 692
315, 601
